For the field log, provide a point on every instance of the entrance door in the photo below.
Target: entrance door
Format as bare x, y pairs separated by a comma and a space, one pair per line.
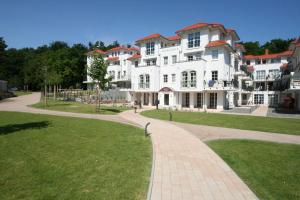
166, 99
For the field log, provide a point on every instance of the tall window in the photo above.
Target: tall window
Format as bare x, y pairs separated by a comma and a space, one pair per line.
173, 78
119, 74
141, 83
214, 75
136, 63
274, 73
194, 40
174, 59
193, 78
149, 48
147, 80
213, 100
165, 60
260, 74
199, 100
215, 54
184, 79
197, 39
165, 78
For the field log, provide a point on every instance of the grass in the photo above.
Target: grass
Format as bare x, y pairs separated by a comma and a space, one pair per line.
51, 157
271, 170
266, 124
21, 93
77, 107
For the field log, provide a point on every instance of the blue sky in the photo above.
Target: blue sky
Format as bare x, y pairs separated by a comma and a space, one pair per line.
30, 23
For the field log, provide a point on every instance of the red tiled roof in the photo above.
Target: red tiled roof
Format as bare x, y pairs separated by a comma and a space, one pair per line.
232, 31
135, 56
96, 51
200, 25
269, 56
152, 36
133, 49
113, 58
122, 48
217, 43
175, 37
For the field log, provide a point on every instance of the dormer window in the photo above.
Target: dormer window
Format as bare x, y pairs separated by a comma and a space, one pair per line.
149, 48
194, 40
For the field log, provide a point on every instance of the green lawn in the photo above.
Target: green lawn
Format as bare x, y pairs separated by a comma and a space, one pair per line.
267, 124
21, 93
77, 107
51, 157
271, 170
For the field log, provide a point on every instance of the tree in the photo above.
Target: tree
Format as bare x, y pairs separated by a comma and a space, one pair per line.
98, 72
277, 45
252, 48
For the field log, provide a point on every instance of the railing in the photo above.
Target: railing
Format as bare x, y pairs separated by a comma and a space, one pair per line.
188, 84
219, 84
144, 85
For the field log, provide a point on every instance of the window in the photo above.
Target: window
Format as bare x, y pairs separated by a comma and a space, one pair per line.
124, 62
260, 74
124, 73
193, 78
248, 62
276, 60
148, 62
147, 80
153, 62
213, 100
199, 100
258, 99
165, 60
165, 78
173, 78
264, 61
119, 74
174, 59
194, 40
197, 39
274, 73
214, 75
166, 99
136, 63
190, 57
257, 62
215, 54
184, 80
191, 40
149, 48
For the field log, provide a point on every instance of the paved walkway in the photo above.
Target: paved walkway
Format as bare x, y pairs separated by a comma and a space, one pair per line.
206, 133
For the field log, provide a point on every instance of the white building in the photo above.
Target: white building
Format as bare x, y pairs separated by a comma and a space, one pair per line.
194, 69
267, 68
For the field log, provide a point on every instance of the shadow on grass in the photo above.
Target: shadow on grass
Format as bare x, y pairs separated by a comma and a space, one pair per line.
110, 110
11, 128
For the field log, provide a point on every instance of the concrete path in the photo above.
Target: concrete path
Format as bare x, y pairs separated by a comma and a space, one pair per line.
260, 111
206, 133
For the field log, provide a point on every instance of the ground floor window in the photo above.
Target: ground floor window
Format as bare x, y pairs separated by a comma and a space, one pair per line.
213, 97
185, 99
146, 99
199, 100
273, 100
166, 99
258, 99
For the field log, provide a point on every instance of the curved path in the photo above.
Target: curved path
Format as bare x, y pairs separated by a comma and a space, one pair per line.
184, 167
206, 133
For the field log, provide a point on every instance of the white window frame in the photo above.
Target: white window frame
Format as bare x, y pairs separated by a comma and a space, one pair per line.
214, 75
165, 77
174, 59
165, 60
173, 78
215, 54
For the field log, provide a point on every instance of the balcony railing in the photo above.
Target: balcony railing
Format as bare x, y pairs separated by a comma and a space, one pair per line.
188, 84
144, 85
220, 84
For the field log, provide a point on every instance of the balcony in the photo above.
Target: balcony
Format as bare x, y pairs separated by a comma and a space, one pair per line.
144, 85
188, 84
219, 85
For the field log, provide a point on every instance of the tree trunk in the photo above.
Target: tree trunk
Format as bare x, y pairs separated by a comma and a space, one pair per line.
45, 96
54, 92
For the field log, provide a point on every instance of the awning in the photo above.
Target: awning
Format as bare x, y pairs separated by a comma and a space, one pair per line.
166, 89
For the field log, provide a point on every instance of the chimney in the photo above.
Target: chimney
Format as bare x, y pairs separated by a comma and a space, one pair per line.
266, 51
